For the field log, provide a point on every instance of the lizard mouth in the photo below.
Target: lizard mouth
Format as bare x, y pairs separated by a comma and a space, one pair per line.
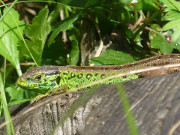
21, 83
30, 85
24, 83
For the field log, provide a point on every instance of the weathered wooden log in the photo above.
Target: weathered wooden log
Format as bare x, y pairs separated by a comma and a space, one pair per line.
155, 104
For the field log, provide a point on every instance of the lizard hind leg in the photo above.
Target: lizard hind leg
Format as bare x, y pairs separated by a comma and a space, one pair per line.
52, 92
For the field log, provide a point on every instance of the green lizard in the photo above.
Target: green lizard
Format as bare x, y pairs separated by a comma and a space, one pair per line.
51, 80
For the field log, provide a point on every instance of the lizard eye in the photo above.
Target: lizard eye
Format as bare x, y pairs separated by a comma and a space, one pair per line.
38, 77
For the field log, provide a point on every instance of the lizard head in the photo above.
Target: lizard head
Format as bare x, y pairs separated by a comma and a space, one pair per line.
40, 79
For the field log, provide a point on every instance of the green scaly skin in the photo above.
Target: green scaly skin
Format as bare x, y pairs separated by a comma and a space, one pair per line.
47, 78
51, 80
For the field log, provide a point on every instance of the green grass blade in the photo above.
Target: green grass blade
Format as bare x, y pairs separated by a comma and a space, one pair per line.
9, 126
127, 109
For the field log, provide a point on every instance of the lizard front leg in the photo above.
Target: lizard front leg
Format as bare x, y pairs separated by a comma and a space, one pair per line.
52, 92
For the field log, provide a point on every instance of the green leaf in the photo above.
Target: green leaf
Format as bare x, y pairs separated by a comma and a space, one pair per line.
112, 57
171, 15
171, 24
11, 30
172, 4
160, 43
37, 34
75, 52
126, 2
15, 94
146, 5
63, 26
177, 46
156, 28
176, 35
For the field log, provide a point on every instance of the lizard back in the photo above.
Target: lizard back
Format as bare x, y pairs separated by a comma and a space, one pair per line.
46, 78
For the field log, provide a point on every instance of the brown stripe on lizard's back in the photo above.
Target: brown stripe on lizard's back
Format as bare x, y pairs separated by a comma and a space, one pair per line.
153, 61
